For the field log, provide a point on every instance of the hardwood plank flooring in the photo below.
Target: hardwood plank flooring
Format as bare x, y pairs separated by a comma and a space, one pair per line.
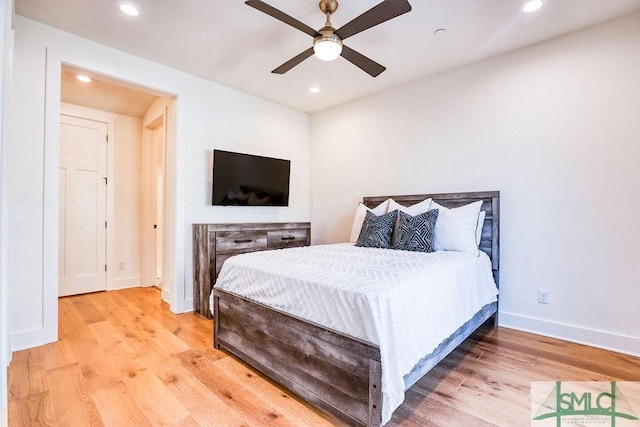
123, 359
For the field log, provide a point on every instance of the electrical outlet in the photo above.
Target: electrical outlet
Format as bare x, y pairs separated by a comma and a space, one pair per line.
122, 265
543, 296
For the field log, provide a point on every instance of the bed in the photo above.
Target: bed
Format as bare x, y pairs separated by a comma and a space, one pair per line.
342, 373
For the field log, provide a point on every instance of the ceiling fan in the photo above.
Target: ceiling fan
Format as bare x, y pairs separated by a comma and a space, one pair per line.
327, 41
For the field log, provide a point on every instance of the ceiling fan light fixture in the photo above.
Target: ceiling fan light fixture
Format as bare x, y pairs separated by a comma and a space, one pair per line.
327, 46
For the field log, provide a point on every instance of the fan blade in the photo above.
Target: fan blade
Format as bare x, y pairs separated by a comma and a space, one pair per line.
293, 61
383, 12
359, 60
272, 11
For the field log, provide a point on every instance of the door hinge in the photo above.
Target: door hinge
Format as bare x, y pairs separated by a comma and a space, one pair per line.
105, 224
107, 138
105, 267
105, 180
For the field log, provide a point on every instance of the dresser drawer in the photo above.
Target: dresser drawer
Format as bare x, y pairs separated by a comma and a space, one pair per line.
240, 241
287, 238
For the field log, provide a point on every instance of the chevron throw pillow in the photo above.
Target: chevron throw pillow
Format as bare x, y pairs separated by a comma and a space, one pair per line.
376, 230
416, 233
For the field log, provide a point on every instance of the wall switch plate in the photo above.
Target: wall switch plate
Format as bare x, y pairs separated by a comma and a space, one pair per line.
543, 296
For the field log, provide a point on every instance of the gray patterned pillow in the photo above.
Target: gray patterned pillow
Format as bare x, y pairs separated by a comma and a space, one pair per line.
416, 233
376, 230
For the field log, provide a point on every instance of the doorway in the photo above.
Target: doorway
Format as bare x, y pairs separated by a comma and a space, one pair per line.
174, 236
153, 210
130, 182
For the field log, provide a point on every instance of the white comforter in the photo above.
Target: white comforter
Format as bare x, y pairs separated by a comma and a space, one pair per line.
405, 302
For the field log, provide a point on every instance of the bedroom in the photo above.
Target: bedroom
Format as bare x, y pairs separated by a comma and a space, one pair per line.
552, 126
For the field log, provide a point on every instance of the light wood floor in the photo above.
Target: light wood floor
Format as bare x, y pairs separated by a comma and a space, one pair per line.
123, 359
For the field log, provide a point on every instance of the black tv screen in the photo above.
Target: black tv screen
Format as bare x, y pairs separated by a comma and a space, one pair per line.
248, 180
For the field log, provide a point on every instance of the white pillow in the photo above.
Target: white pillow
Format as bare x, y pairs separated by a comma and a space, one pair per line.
456, 228
358, 218
481, 217
413, 210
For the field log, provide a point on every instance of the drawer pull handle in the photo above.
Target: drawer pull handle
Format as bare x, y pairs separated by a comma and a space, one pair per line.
288, 238
242, 241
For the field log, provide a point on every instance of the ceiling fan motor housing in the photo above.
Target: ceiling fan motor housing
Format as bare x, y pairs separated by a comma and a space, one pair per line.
327, 45
327, 34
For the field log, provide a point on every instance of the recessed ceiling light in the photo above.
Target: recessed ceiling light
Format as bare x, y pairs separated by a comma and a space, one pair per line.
83, 78
128, 9
531, 6
314, 89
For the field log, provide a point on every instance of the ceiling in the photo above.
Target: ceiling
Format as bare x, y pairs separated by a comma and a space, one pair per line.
103, 93
230, 43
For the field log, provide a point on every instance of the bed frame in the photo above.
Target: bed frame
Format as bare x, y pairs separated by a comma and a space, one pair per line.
333, 371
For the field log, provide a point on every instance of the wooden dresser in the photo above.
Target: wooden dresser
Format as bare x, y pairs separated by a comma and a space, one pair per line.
214, 243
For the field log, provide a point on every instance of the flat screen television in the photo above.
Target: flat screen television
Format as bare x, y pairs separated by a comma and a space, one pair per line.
247, 180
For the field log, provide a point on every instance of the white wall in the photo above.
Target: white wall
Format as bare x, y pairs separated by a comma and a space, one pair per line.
555, 128
127, 216
208, 116
6, 41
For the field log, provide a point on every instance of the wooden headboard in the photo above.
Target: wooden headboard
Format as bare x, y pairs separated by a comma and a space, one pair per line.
490, 241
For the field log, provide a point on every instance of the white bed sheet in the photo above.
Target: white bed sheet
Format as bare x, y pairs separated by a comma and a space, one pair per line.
405, 302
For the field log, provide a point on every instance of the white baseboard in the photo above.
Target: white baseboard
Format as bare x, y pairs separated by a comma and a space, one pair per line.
592, 337
31, 338
125, 283
188, 305
166, 294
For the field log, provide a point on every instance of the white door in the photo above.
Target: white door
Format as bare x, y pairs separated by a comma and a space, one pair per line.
82, 205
